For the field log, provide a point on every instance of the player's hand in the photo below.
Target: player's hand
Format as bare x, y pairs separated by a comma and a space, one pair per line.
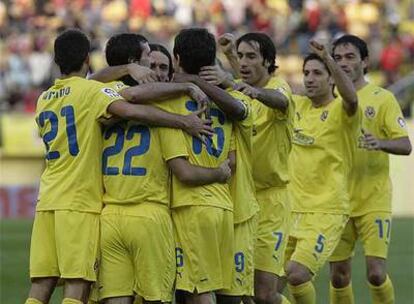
198, 127
183, 77
225, 171
197, 95
227, 43
246, 89
319, 49
214, 75
141, 74
370, 142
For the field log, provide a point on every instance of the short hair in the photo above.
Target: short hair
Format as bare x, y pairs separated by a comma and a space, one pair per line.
196, 48
124, 48
160, 48
266, 47
71, 50
357, 42
313, 56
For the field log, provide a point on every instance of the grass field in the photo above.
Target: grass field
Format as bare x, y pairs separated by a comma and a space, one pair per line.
14, 265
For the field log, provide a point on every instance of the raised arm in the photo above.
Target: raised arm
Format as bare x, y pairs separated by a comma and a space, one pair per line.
227, 45
227, 103
192, 124
344, 84
198, 176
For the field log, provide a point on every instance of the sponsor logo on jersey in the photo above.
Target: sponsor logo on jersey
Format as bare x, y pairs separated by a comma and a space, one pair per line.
401, 122
370, 112
302, 139
110, 92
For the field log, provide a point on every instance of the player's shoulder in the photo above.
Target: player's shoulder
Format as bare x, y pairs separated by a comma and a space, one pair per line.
301, 101
377, 93
276, 82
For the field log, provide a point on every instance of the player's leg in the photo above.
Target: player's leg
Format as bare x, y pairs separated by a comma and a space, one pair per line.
317, 236
77, 241
204, 252
44, 269
375, 233
154, 260
116, 273
340, 288
243, 264
272, 237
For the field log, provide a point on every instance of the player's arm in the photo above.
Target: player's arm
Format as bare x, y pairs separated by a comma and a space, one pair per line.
342, 81
159, 91
232, 161
227, 103
140, 73
197, 176
228, 47
192, 124
398, 146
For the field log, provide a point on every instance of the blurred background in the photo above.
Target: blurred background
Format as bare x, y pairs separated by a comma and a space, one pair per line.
28, 29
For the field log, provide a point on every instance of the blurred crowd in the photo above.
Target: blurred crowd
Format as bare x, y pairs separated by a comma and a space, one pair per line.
28, 28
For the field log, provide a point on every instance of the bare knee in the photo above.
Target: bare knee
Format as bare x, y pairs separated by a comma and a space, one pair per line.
224, 299
77, 289
376, 271
297, 274
265, 289
119, 300
42, 288
340, 273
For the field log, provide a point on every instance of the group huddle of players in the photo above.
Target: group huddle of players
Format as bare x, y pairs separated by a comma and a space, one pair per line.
197, 181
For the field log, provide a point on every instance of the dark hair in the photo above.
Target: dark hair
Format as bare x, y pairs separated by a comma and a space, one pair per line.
266, 47
313, 56
162, 49
356, 42
196, 48
71, 50
123, 49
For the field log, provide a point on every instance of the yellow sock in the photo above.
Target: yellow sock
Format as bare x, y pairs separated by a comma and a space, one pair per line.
383, 294
33, 301
71, 301
284, 300
303, 293
341, 295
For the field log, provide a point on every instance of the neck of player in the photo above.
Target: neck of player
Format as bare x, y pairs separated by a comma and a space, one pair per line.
322, 100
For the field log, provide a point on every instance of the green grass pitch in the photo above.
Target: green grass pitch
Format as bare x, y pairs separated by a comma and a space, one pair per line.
14, 265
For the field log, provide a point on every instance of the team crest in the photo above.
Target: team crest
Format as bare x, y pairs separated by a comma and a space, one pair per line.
370, 112
324, 115
401, 122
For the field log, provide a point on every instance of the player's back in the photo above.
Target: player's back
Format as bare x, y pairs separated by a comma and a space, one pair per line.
210, 154
67, 116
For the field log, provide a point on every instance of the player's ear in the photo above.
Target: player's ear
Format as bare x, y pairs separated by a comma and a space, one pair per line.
177, 62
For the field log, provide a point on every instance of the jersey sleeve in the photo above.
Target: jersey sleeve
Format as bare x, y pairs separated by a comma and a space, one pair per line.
173, 143
394, 125
102, 97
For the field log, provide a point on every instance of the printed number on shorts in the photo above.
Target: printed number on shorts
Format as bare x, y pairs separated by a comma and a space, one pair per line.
279, 238
179, 257
320, 243
218, 131
68, 114
139, 133
381, 225
239, 261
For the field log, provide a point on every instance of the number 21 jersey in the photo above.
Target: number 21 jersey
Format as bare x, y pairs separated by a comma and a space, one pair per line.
68, 115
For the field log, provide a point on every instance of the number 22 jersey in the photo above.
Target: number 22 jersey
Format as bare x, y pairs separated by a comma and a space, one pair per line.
67, 116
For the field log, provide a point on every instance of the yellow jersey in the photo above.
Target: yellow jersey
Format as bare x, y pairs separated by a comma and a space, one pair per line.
272, 139
68, 117
370, 185
321, 157
134, 162
209, 155
242, 186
